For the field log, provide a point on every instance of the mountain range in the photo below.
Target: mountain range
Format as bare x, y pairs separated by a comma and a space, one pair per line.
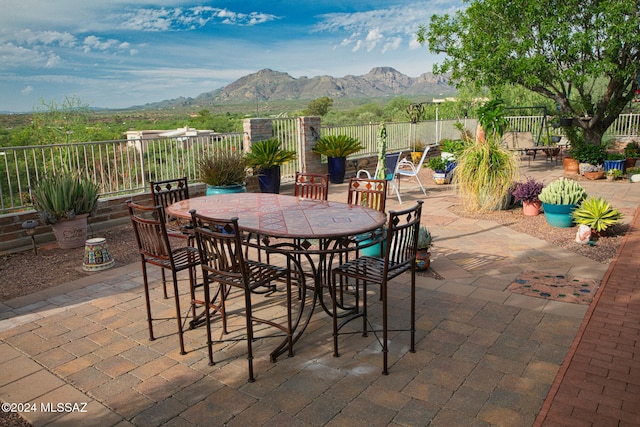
270, 85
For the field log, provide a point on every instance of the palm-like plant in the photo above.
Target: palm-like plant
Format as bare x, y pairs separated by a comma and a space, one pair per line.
597, 213
267, 154
337, 146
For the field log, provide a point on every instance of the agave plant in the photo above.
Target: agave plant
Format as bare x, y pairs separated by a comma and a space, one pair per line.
63, 196
596, 213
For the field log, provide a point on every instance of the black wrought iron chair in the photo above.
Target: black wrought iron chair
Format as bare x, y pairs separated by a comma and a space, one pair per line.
165, 193
224, 262
155, 249
312, 185
399, 257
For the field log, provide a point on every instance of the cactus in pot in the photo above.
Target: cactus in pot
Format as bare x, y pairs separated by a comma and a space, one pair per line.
559, 200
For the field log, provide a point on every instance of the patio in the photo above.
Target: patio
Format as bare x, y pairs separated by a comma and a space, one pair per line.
485, 355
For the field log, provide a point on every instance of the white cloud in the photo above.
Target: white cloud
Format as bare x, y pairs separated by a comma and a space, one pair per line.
26, 90
178, 19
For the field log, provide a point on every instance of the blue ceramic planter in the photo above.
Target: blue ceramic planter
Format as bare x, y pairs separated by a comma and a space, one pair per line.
614, 164
269, 180
559, 215
337, 167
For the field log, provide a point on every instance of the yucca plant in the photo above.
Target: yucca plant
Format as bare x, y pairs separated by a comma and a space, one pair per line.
485, 174
337, 146
267, 154
63, 196
596, 213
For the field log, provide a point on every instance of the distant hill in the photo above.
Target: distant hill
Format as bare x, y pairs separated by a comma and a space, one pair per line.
270, 85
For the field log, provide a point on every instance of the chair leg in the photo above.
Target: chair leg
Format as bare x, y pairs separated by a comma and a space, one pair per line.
164, 284
178, 316
207, 315
334, 313
385, 349
412, 349
147, 300
249, 321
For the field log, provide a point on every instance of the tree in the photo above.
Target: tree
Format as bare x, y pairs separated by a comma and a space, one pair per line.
319, 106
582, 54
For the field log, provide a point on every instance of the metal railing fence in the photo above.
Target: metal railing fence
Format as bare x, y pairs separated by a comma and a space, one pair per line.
125, 167
119, 167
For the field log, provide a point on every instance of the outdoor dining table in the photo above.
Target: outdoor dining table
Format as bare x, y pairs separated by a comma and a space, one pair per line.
311, 233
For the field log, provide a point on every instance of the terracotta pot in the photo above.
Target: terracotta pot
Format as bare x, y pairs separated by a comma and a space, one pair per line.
594, 175
531, 208
71, 233
630, 163
423, 259
571, 166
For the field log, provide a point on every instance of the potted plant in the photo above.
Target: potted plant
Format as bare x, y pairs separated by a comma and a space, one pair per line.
64, 201
223, 172
439, 167
613, 174
423, 256
631, 153
598, 214
559, 199
614, 161
337, 148
418, 149
592, 171
592, 154
265, 158
527, 192
575, 137
485, 172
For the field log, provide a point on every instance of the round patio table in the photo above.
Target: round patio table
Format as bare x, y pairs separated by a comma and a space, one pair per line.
310, 232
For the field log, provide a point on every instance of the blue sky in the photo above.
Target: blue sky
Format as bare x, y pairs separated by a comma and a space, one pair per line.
120, 53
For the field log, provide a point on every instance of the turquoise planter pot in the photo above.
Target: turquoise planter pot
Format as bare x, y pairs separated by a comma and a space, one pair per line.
559, 215
225, 189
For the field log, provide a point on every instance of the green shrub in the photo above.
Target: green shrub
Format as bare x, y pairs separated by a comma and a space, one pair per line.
223, 168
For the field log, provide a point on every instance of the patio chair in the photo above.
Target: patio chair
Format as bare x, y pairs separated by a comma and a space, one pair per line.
399, 257
165, 193
155, 249
368, 192
392, 163
225, 263
407, 168
312, 186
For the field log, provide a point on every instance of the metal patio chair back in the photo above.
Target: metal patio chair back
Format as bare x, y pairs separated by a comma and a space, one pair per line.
312, 185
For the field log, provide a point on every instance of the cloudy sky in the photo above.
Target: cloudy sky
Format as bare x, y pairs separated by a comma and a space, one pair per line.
119, 53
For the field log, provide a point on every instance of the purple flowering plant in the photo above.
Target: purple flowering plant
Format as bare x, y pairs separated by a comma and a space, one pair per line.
528, 190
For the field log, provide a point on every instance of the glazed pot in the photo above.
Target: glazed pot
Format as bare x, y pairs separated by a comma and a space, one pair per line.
225, 189
336, 167
423, 259
559, 215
